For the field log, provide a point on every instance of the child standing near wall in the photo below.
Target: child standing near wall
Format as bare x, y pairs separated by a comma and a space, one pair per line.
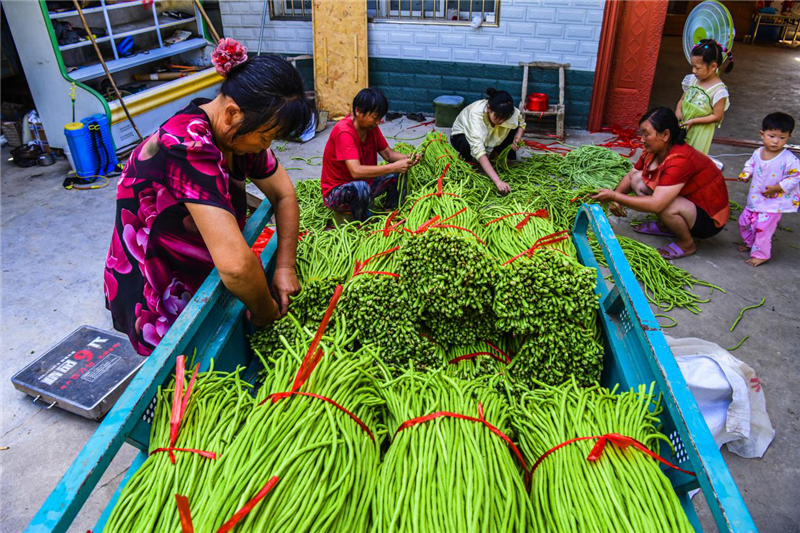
775, 188
705, 97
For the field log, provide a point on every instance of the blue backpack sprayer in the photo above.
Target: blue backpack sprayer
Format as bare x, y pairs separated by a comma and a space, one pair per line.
92, 148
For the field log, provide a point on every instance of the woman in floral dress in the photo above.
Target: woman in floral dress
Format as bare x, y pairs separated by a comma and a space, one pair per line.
181, 203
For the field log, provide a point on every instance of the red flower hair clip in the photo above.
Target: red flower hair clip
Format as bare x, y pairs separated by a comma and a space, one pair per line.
228, 53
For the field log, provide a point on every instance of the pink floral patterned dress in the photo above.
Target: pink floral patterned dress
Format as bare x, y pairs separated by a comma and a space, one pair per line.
157, 259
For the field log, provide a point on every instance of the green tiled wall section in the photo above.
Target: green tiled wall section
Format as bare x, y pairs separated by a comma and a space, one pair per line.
411, 85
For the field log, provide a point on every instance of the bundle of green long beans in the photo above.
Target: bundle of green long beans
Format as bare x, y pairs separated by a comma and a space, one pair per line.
326, 463
324, 260
440, 159
448, 474
665, 285
624, 489
215, 413
449, 279
313, 213
377, 307
594, 166
470, 361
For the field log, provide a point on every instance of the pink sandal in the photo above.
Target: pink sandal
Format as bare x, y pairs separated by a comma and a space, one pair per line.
673, 251
651, 228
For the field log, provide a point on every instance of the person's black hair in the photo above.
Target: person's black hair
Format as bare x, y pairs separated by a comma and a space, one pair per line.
371, 100
501, 103
713, 52
663, 119
778, 121
270, 93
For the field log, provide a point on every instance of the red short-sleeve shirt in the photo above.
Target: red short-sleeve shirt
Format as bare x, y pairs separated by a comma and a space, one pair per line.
344, 144
704, 184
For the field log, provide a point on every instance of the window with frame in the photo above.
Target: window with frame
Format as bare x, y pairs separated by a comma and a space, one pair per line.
290, 9
455, 12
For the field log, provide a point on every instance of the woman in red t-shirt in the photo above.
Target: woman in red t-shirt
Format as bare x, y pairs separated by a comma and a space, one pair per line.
676, 182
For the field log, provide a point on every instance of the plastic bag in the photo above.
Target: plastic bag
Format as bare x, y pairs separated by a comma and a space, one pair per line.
729, 395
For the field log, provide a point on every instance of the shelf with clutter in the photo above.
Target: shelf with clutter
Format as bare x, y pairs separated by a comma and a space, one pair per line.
156, 51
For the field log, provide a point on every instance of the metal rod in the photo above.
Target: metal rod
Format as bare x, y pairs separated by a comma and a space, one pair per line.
263, 23
303, 6
207, 20
292, 8
110, 30
105, 67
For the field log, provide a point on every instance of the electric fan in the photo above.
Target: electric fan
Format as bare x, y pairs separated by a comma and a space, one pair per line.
709, 20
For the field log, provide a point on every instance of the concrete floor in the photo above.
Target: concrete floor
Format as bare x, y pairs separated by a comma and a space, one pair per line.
765, 78
54, 243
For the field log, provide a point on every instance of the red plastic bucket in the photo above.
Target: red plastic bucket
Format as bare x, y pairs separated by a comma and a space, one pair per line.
537, 102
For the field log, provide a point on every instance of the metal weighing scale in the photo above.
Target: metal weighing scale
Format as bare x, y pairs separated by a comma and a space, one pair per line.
84, 374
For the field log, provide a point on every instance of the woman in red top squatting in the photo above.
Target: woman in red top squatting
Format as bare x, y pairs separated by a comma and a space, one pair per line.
680, 185
181, 202
351, 177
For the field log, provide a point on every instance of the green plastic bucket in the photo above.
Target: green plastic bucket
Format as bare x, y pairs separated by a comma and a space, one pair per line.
446, 109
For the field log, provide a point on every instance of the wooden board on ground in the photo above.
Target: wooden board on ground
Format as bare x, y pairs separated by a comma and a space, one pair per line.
340, 53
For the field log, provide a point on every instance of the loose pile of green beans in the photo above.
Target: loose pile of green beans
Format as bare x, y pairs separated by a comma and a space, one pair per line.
594, 166
218, 406
624, 490
313, 213
665, 285
327, 464
448, 474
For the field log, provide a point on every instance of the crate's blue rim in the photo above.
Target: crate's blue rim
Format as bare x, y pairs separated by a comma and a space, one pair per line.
62, 506
722, 495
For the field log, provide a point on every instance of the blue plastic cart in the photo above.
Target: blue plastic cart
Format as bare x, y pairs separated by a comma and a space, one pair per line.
212, 323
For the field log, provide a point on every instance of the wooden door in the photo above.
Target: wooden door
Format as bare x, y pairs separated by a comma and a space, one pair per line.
340, 53
626, 62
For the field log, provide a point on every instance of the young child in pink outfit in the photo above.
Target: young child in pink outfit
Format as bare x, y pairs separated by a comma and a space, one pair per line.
775, 188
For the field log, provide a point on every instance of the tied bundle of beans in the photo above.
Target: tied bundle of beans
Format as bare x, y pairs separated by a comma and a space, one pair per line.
448, 278
378, 309
474, 360
324, 260
594, 166
620, 489
558, 353
436, 153
511, 229
313, 213
665, 285
375, 303
549, 300
217, 407
446, 473
450, 207
327, 462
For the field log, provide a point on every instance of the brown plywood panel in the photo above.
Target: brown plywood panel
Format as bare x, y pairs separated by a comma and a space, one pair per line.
340, 53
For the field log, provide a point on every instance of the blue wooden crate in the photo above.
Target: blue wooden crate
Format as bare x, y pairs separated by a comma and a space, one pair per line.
212, 323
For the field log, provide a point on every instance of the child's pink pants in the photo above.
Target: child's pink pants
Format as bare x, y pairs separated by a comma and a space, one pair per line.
757, 230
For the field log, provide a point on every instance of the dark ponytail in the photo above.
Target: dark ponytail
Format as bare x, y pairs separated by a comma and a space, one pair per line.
662, 119
713, 52
270, 93
501, 103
